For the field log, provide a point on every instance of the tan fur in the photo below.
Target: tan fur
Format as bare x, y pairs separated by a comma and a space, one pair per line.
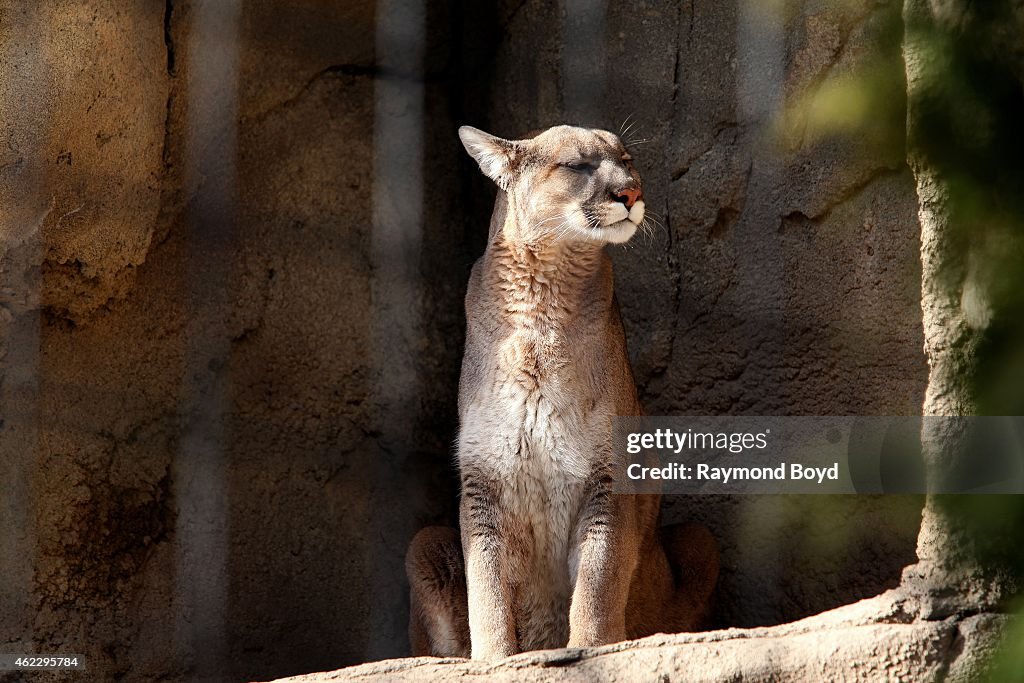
547, 555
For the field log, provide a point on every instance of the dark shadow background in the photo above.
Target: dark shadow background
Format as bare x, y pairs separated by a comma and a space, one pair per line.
231, 298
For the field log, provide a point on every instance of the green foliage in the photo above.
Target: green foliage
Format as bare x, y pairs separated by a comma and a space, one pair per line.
1008, 662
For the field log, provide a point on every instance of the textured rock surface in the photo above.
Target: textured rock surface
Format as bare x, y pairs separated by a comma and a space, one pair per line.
207, 449
213, 463
83, 99
83, 102
972, 259
869, 641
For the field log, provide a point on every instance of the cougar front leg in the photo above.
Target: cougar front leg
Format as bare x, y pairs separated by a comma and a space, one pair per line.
607, 559
485, 544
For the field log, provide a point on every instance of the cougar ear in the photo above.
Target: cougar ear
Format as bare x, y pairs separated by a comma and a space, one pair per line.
495, 155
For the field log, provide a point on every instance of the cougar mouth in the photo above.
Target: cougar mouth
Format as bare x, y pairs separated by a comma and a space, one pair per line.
617, 213
619, 223
636, 212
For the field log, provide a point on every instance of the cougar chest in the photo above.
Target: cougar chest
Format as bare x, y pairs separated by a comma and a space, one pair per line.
543, 488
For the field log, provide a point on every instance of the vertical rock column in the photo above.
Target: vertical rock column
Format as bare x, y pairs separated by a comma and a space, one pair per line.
964, 95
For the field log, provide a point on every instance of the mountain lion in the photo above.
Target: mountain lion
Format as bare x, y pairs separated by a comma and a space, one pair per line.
548, 556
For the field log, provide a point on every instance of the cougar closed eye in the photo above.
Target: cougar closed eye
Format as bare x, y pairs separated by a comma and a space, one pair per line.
579, 166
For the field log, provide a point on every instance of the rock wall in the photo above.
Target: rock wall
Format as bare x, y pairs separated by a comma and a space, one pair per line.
230, 333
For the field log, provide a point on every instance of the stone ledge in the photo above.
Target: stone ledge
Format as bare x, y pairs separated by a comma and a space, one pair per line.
872, 640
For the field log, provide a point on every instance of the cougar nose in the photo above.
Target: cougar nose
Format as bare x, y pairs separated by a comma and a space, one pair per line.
628, 196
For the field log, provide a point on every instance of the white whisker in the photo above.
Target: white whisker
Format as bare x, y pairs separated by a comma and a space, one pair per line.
626, 120
626, 131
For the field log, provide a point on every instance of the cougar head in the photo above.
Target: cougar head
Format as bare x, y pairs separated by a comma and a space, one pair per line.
567, 183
